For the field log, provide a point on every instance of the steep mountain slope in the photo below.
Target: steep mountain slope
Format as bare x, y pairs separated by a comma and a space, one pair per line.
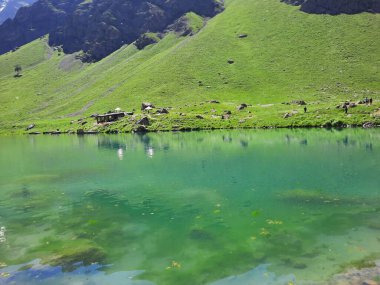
8, 8
286, 55
97, 27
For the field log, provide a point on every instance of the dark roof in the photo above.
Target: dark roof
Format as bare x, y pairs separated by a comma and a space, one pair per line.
111, 114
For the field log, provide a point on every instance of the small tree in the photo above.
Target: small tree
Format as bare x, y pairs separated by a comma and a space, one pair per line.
18, 70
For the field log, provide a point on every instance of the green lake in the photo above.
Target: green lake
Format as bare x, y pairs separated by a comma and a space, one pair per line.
217, 208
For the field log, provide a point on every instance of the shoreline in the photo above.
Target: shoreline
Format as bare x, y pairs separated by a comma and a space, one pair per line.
205, 115
115, 131
144, 130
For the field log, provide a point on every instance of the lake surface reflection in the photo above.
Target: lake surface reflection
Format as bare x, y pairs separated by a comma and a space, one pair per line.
220, 208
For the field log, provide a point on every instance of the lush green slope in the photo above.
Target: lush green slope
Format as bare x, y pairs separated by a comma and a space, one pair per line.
288, 55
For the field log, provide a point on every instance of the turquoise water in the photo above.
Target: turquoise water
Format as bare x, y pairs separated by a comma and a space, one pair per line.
220, 208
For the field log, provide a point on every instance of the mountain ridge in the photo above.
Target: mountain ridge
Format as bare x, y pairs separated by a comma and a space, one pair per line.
336, 7
98, 27
9, 8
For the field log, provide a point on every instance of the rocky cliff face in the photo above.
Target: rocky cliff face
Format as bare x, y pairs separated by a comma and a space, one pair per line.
8, 8
335, 7
31, 22
97, 27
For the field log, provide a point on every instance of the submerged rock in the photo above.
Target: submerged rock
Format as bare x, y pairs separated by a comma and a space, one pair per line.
259, 275
200, 235
362, 276
312, 196
85, 254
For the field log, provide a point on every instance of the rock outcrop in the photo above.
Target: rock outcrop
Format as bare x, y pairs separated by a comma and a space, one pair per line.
98, 27
335, 7
8, 8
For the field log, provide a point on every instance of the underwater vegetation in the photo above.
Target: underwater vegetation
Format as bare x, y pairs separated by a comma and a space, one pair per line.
200, 209
319, 197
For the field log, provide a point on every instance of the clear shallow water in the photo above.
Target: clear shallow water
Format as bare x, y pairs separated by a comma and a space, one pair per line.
220, 208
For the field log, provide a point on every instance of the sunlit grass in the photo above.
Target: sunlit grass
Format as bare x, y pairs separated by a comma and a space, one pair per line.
288, 55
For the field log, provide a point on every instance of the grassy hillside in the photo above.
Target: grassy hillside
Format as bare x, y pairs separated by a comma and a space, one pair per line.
287, 55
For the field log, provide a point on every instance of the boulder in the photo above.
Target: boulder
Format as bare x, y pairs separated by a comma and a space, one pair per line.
214, 102
227, 112
242, 106
242, 36
146, 105
225, 116
299, 102
162, 111
144, 121
30, 127
230, 61
368, 125
199, 117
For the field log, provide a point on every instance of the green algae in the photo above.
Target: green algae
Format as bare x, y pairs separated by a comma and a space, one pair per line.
210, 207
366, 262
67, 253
311, 196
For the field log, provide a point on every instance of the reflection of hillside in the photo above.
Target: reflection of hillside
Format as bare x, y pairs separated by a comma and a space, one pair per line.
154, 142
110, 143
202, 196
